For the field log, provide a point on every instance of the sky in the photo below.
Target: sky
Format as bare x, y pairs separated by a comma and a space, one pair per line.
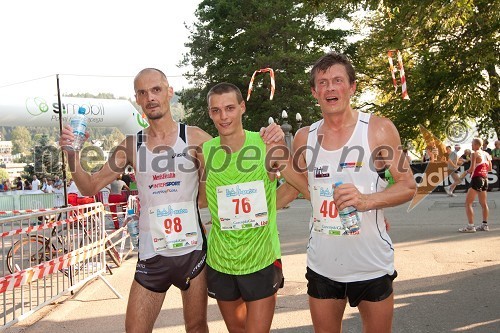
85, 40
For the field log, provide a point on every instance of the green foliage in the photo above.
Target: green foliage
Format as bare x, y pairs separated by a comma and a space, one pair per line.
232, 39
21, 140
451, 59
3, 174
46, 158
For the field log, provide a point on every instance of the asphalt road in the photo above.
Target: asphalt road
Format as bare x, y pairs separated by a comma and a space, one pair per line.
447, 282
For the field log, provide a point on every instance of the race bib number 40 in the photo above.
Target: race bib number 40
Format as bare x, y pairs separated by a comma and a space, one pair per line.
242, 206
173, 225
325, 215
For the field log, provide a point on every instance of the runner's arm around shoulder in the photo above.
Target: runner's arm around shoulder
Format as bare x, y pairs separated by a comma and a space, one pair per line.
202, 177
286, 193
197, 137
278, 157
385, 145
91, 184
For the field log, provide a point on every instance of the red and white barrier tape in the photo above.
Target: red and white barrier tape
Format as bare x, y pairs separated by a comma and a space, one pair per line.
404, 91
50, 225
37, 272
273, 84
28, 211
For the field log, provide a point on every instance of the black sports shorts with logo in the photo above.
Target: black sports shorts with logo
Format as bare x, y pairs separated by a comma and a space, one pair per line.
159, 273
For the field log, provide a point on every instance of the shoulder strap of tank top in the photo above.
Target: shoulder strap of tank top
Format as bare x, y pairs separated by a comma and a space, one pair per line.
140, 139
364, 119
182, 132
312, 139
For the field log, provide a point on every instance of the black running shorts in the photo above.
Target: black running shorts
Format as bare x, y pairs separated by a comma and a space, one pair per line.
374, 290
479, 183
250, 287
159, 273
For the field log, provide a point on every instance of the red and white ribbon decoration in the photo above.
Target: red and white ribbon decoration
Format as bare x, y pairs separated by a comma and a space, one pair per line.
392, 69
273, 84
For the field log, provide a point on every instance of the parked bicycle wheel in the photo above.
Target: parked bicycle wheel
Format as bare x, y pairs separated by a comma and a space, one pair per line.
27, 252
113, 253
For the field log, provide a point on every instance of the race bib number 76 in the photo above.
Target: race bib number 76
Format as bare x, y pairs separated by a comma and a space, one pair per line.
242, 206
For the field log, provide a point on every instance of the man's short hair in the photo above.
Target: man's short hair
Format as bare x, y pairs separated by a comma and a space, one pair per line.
327, 61
224, 88
477, 141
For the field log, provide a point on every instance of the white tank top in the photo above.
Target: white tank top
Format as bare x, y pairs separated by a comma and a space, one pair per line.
346, 258
167, 183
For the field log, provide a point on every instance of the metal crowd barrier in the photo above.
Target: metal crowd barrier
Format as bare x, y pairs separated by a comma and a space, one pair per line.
48, 254
20, 200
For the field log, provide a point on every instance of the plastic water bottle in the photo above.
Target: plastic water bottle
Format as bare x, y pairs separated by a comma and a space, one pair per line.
349, 216
79, 125
132, 223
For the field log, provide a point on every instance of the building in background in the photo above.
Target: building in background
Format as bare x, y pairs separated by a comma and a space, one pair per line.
6, 152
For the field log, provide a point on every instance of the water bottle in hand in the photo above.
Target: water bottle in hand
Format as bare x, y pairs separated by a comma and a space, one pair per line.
79, 125
349, 217
132, 223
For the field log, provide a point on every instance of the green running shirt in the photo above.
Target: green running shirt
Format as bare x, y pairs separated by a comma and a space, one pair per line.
242, 251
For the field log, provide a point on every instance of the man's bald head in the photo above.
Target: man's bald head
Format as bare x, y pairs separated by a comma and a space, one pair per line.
149, 70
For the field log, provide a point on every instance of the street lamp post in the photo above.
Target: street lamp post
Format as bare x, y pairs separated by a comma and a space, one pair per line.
298, 117
287, 128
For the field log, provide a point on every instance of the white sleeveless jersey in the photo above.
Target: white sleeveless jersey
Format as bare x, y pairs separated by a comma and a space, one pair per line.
167, 183
333, 253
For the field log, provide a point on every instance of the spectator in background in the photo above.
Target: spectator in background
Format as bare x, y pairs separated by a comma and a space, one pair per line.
116, 196
19, 183
485, 146
58, 185
495, 156
44, 184
453, 165
7, 185
1, 185
49, 188
495, 152
72, 188
429, 155
466, 156
127, 179
35, 184
27, 185
407, 156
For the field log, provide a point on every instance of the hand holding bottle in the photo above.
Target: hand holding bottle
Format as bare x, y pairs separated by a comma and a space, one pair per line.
132, 223
348, 215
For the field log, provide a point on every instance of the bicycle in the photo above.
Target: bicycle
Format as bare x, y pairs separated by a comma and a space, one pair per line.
36, 249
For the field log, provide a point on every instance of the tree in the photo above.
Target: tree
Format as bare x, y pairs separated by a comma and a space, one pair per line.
3, 174
230, 40
113, 139
21, 140
46, 159
451, 57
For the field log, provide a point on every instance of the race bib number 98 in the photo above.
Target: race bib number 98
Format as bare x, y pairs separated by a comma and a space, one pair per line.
173, 225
